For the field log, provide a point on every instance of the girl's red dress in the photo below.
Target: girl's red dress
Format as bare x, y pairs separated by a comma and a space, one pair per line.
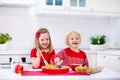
46, 55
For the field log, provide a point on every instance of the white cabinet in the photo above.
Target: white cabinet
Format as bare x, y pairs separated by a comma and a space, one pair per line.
106, 5
79, 5
117, 6
64, 5
92, 59
17, 2
50, 4
84, 7
109, 61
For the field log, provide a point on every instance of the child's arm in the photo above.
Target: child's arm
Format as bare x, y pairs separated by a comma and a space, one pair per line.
36, 60
59, 57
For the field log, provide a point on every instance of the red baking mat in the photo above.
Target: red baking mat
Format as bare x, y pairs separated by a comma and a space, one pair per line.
40, 73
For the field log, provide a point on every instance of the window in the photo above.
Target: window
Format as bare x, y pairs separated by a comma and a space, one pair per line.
54, 2
78, 3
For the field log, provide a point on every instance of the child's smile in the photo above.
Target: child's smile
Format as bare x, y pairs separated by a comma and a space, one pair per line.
74, 40
75, 43
44, 45
44, 40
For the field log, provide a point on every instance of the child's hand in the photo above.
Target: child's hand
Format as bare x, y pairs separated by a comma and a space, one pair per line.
58, 61
38, 53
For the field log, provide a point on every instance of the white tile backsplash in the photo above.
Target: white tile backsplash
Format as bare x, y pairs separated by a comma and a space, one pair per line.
22, 25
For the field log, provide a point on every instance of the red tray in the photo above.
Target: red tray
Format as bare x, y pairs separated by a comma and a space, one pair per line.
55, 70
40, 73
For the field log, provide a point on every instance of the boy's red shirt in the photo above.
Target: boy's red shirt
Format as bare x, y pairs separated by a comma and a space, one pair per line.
46, 55
71, 57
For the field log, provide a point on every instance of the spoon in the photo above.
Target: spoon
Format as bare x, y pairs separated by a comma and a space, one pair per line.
45, 62
59, 64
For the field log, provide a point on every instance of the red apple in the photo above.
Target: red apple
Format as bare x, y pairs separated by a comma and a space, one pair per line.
18, 69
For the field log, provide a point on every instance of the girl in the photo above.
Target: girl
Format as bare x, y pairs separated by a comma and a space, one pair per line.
72, 54
43, 50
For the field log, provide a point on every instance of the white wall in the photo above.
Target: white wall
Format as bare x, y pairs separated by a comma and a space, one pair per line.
115, 33
22, 23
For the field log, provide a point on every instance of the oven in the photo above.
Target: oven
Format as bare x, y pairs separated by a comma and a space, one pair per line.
6, 59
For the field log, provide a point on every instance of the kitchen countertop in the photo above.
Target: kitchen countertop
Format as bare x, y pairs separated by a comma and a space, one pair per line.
110, 51
106, 74
15, 52
107, 52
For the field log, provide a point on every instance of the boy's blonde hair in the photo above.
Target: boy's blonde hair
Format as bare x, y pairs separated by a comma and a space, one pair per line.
37, 44
68, 35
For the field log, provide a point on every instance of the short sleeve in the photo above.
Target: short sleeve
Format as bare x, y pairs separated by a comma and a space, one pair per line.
60, 54
33, 53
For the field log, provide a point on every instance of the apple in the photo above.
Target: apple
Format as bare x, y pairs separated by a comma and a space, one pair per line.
18, 68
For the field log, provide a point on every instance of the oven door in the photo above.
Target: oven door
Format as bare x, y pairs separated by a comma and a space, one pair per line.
5, 60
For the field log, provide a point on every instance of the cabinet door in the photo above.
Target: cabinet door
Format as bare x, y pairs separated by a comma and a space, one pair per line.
102, 60
117, 6
92, 59
63, 6
17, 2
103, 5
106, 5
51, 4
81, 5
109, 61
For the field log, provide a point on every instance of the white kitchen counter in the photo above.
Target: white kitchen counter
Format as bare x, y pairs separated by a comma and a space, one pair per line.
106, 74
15, 52
107, 52
27, 52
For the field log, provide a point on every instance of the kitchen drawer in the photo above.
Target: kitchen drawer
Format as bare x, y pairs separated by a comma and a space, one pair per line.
109, 61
